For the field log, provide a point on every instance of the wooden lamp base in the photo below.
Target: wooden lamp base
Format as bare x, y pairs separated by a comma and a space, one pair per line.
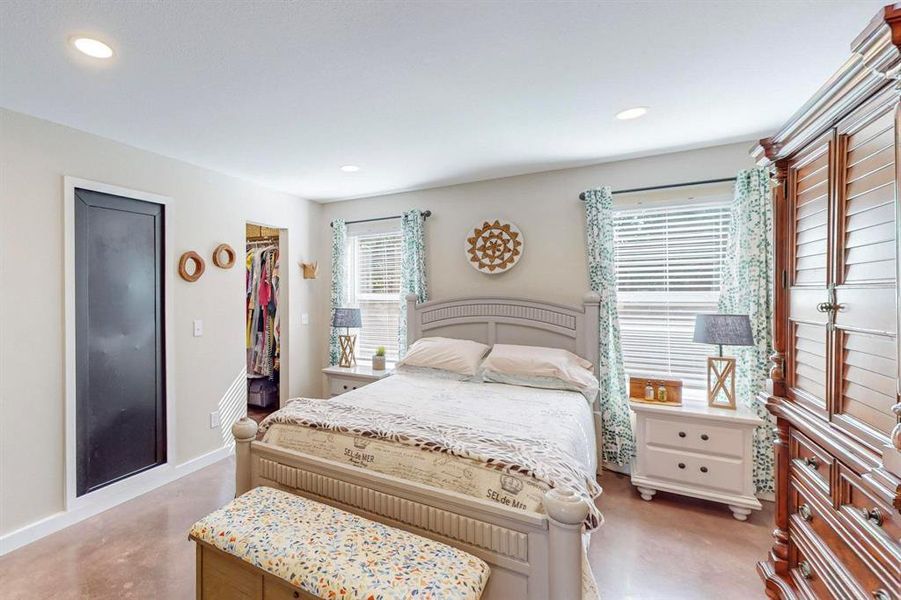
721, 381
347, 342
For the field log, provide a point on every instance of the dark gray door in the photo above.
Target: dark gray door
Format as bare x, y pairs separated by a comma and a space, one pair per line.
120, 374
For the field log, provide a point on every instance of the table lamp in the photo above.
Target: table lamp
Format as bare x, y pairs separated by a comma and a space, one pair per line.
722, 330
347, 318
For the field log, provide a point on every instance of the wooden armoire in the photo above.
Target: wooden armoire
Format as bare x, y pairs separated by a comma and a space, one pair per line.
834, 384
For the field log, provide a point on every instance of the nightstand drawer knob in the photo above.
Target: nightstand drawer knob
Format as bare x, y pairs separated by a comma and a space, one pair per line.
804, 511
297, 594
805, 570
703, 469
681, 465
705, 437
812, 462
881, 595
681, 434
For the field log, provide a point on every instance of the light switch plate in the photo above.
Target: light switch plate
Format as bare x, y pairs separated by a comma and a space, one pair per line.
198, 328
214, 419
305, 318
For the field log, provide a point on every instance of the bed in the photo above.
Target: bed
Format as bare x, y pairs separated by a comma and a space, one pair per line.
529, 533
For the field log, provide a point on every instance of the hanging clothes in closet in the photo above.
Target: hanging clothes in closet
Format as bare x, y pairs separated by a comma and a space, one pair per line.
262, 312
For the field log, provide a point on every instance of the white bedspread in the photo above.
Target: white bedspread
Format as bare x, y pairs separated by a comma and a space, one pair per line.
560, 417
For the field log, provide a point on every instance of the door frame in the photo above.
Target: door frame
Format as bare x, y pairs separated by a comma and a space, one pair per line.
284, 300
136, 484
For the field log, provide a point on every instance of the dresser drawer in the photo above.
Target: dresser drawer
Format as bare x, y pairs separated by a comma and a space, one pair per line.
700, 437
809, 572
341, 385
711, 472
873, 521
813, 517
811, 459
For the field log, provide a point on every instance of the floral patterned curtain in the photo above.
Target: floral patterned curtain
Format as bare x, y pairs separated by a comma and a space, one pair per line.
339, 284
747, 288
413, 276
619, 440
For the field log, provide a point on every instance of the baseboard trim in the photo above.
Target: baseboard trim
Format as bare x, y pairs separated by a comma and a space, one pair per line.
57, 521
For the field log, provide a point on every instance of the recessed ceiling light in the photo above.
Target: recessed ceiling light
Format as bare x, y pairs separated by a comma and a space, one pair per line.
632, 113
350, 168
91, 47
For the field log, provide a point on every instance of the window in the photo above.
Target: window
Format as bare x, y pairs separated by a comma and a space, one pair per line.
668, 262
374, 287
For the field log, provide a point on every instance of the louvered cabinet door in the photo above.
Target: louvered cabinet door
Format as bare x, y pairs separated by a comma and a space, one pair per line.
810, 222
866, 320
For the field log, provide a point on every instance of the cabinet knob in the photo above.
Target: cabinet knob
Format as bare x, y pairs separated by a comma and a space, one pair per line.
881, 595
873, 515
681, 465
812, 462
805, 570
297, 594
345, 387
705, 437
703, 469
681, 434
804, 511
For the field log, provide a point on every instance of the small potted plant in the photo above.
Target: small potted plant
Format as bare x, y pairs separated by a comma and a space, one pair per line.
378, 359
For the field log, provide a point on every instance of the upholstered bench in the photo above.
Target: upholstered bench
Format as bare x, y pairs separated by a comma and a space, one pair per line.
268, 544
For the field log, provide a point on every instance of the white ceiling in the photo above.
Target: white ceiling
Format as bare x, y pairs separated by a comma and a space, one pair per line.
418, 94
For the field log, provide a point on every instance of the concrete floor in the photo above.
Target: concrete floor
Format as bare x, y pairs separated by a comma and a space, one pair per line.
671, 548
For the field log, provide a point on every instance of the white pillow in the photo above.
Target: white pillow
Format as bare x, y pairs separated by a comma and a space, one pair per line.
447, 354
534, 362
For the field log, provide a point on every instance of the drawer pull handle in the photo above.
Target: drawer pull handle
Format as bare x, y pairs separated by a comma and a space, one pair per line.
812, 462
681, 434
881, 595
873, 515
681, 465
297, 594
703, 469
804, 511
805, 570
705, 437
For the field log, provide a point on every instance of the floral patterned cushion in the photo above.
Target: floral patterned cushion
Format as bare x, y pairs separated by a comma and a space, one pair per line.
334, 554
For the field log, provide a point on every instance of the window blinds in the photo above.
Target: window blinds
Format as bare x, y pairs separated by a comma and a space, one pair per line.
668, 262
375, 288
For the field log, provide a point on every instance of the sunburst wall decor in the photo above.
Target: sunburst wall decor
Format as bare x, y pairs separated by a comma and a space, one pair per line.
493, 247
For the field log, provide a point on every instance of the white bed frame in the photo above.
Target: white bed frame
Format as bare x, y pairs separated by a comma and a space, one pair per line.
530, 553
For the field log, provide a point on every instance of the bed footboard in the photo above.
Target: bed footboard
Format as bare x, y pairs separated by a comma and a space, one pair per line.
532, 556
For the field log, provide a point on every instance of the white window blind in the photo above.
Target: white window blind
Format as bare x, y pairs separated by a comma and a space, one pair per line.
375, 268
668, 262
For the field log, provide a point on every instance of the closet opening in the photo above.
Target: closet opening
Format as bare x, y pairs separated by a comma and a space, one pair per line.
265, 319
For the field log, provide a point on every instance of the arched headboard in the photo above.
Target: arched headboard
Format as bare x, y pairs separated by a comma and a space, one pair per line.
502, 320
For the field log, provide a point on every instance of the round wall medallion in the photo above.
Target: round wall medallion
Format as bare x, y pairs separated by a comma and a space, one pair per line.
228, 261
493, 247
196, 272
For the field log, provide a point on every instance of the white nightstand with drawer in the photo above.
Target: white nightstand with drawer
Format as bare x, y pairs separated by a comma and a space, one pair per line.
697, 451
347, 379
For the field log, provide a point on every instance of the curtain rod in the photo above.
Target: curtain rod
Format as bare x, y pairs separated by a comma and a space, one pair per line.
425, 215
667, 186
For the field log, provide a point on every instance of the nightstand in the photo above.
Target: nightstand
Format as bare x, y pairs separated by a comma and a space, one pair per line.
346, 379
697, 451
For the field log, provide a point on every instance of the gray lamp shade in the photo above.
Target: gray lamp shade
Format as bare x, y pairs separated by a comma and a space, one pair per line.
347, 317
723, 330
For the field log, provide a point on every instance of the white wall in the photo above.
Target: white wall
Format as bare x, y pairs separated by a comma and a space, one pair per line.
207, 209
545, 207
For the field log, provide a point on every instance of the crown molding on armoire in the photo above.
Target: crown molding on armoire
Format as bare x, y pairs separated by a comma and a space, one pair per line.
874, 63
835, 383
